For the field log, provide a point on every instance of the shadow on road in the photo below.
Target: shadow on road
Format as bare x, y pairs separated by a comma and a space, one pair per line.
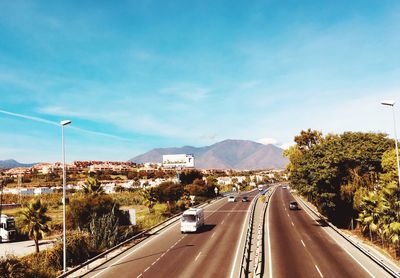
206, 228
321, 223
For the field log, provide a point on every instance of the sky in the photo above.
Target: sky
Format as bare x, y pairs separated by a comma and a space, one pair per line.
138, 75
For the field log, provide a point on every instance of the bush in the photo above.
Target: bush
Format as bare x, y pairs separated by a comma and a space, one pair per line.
11, 266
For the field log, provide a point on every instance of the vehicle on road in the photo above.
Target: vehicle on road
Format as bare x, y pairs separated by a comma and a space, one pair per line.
293, 205
7, 228
231, 199
192, 220
261, 187
245, 199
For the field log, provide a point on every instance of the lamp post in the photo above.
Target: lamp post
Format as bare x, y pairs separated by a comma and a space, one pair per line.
64, 123
391, 103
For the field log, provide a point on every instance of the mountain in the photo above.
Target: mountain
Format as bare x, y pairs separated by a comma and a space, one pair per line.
228, 154
11, 163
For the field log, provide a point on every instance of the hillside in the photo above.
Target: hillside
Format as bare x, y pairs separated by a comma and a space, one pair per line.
11, 163
228, 154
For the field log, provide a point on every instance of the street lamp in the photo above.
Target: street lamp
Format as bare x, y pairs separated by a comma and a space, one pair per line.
64, 123
391, 103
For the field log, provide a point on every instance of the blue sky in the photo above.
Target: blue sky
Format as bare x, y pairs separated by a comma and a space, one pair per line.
135, 75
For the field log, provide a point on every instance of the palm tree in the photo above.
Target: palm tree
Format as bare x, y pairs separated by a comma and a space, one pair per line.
34, 220
92, 186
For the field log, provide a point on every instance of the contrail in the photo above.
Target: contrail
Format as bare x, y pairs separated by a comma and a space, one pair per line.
41, 120
36, 119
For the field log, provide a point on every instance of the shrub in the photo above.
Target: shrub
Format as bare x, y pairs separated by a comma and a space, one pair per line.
11, 266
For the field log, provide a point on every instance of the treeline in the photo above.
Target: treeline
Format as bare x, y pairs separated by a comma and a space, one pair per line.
351, 178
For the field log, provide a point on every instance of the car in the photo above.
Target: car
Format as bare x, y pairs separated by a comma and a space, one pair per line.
231, 199
245, 199
293, 205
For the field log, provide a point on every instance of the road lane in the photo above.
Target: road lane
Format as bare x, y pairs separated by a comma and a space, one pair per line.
301, 248
171, 254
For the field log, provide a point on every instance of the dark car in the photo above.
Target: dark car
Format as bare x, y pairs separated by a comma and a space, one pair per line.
245, 199
293, 205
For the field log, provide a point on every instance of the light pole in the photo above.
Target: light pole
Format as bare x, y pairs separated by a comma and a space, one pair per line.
64, 123
391, 103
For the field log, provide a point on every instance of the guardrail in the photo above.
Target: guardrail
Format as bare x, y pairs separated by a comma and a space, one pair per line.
244, 266
259, 257
137, 236
356, 244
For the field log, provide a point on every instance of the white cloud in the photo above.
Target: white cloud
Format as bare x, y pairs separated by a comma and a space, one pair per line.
268, 141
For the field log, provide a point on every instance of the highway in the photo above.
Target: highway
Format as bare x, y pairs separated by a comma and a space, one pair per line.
209, 253
298, 246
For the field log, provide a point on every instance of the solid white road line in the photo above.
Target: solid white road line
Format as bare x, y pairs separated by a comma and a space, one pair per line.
150, 240
320, 274
269, 237
238, 246
197, 256
345, 249
303, 243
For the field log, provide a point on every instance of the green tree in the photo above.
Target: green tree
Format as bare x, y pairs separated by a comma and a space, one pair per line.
82, 208
34, 221
331, 170
306, 139
92, 186
188, 176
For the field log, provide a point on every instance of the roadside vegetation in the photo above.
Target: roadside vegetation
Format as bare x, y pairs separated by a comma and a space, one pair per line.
352, 179
95, 221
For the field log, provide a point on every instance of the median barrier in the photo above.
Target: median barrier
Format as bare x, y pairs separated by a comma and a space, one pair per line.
244, 266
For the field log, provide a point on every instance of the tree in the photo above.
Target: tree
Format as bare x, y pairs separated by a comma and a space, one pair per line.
92, 186
34, 221
308, 138
82, 209
188, 176
332, 170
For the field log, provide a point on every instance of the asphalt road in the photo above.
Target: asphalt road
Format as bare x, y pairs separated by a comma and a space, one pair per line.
209, 253
299, 246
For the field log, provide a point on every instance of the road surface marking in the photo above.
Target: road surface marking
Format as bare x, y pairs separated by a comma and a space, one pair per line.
337, 242
146, 269
140, 275
320, 274
288, 214
303, 243
285, 209
136, 249
151, 239
229, 214
292, 223
269, 238
212, 234
238, 246
222, 222
197, 256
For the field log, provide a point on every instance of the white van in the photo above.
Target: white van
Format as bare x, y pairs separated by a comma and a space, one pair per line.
192, 220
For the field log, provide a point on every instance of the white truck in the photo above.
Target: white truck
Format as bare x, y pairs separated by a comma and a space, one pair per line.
7, 228
192, 220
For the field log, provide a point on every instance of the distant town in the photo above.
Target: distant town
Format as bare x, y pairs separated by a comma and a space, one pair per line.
44, 178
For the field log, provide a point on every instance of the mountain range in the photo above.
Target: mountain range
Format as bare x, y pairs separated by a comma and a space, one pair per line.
11, 163
227, 154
